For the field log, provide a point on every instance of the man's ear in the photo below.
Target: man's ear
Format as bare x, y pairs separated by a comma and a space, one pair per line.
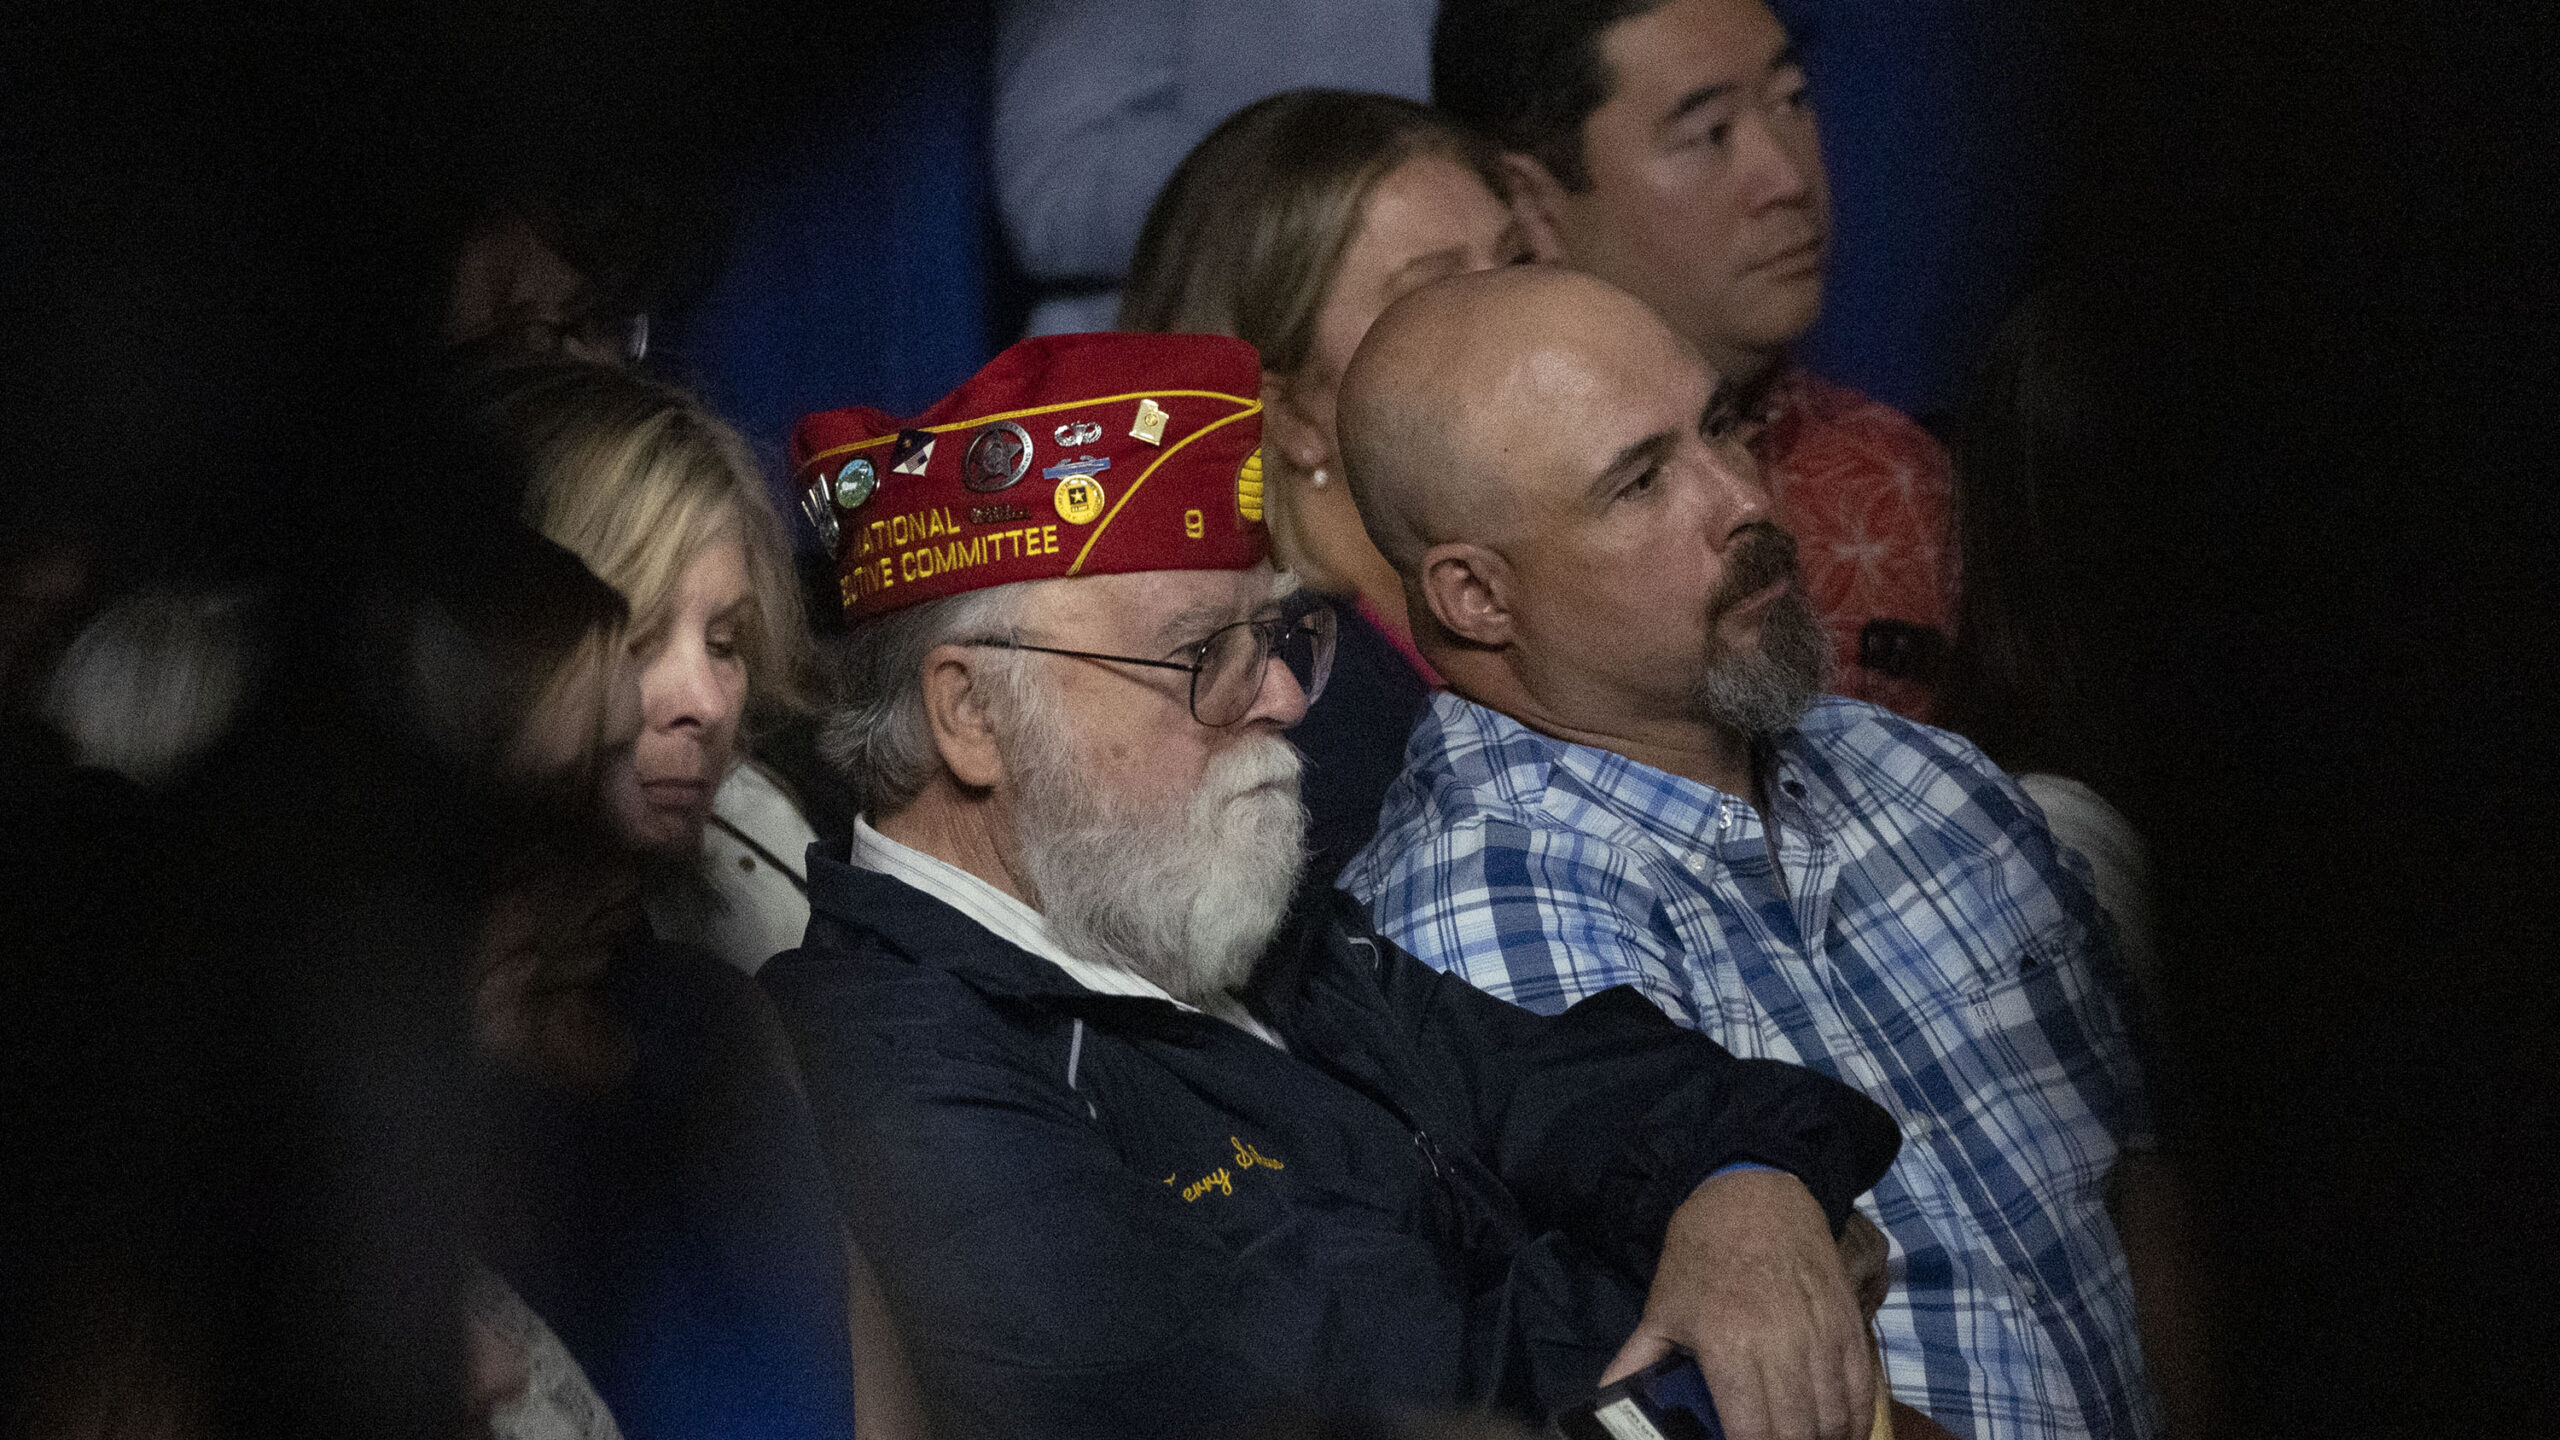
1468, 589
1538, 204
956, 706
1287, 425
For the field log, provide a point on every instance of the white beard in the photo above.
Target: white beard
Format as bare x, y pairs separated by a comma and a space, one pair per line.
1185, 895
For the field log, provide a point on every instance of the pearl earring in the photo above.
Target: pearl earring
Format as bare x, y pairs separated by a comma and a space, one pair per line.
1316, 480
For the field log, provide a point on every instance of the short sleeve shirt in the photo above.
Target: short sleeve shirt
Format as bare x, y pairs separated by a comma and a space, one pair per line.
1870, 497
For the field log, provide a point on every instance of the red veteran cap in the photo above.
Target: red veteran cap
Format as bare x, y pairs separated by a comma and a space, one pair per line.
1067, 455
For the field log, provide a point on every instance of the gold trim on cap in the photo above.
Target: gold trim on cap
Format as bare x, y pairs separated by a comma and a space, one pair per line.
1252, 408
1254, 404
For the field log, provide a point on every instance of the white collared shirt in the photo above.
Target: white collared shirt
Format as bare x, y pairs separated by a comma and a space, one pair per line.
1018, 924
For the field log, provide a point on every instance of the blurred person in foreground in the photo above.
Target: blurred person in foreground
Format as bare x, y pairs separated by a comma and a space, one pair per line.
561, 707
1634, 779
2040, 512
652, 1190
2035, 512
1290, 228
663, 501
1669, 147
1145, 1138
136, 1292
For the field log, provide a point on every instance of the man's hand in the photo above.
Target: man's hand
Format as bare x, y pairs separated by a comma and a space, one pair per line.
1864, 1253
1751, 1283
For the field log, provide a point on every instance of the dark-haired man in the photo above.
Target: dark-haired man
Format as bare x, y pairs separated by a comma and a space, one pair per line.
1668, 147
1634, 780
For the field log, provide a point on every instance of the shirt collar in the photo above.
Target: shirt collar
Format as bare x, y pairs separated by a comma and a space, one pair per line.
1012, 921
1641, 795
1016, 923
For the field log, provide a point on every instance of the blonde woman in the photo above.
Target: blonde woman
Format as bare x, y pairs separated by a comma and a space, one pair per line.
663, 501
1292, 226
661, 1203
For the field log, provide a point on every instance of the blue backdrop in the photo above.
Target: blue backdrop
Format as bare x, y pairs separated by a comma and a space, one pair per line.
858, 272
1937, 131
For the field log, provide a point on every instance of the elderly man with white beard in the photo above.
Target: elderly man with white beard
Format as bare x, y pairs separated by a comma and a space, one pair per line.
1143, 1139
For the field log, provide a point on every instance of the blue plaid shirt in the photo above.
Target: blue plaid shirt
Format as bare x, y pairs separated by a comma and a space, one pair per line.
1920, 937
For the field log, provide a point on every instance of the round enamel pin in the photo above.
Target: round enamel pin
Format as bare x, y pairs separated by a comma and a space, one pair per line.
1079, 499
856, 482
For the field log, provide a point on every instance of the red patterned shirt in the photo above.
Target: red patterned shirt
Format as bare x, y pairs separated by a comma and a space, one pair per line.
1869, 495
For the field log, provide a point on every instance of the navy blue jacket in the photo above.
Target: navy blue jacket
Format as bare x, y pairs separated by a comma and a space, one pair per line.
1103, 1216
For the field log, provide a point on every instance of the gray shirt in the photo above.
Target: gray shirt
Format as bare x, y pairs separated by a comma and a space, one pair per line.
1096, 101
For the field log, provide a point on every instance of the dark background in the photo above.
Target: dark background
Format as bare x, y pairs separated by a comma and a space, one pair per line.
2326, 233
2319, 236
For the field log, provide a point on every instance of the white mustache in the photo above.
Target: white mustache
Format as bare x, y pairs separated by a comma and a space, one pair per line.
1253, 764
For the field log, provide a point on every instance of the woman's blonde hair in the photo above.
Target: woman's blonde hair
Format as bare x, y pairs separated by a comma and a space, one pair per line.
1245, 238
637, 478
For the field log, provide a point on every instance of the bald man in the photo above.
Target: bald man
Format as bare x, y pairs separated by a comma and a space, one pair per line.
1634, 779
1670, 147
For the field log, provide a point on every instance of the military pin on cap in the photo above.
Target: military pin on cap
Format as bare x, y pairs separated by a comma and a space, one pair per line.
856, 481
1150, 423
1078, 496
822, 516
998, 455
1079, 499
912, 453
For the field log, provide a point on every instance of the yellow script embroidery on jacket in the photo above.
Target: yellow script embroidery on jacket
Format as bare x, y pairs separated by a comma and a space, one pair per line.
1223, 1180
1247, 1157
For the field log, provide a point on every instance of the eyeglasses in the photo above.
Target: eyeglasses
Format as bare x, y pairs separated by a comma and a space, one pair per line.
1228, 667
589, 334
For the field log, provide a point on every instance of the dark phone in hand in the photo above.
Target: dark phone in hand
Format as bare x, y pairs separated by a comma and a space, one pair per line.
1666, 1400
